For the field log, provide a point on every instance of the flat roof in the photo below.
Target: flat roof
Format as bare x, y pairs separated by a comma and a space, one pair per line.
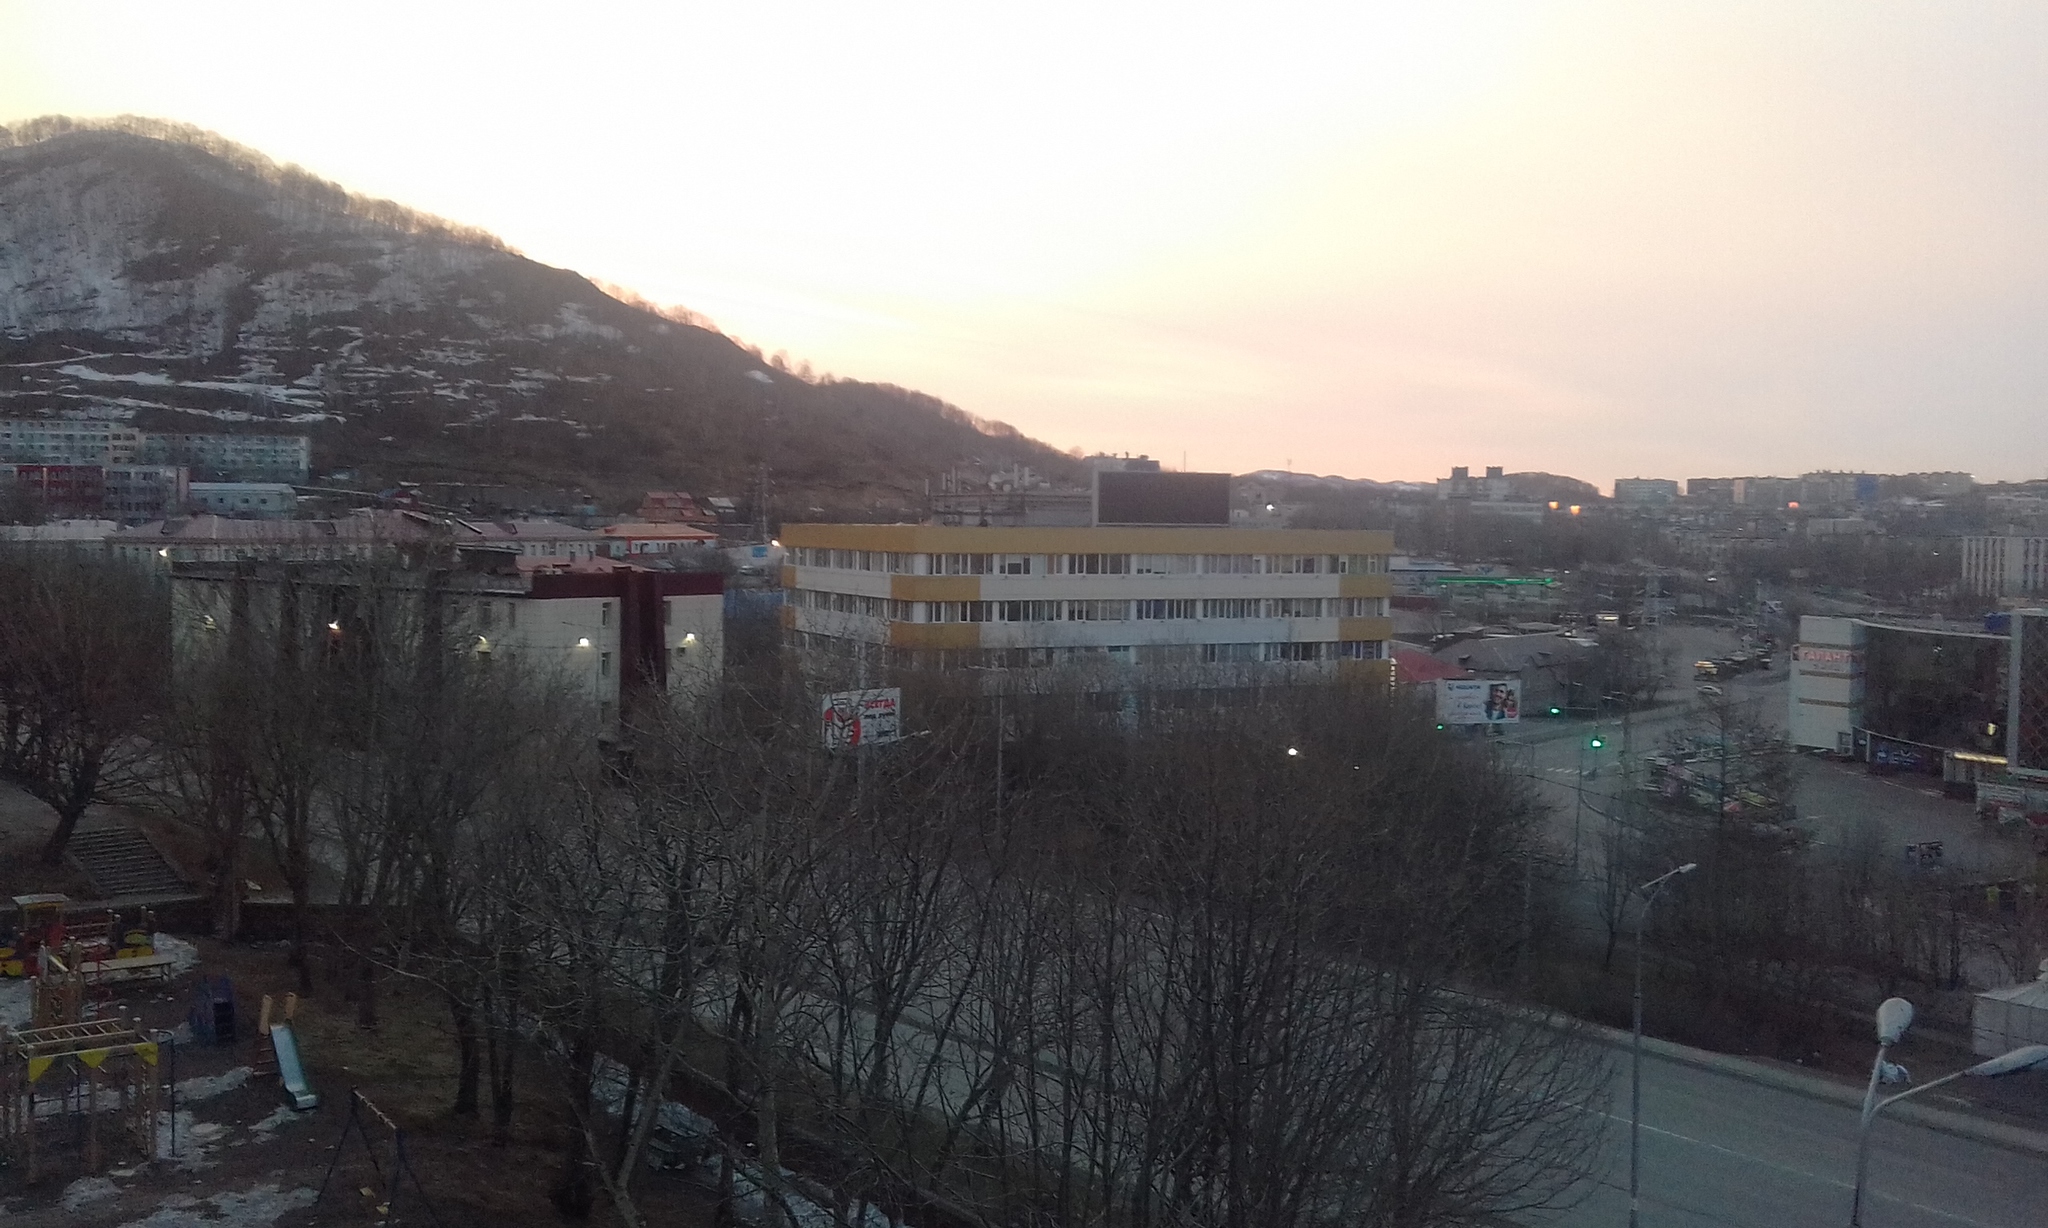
1087, 539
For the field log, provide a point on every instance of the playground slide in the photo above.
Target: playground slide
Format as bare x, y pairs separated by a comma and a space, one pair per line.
289, 1071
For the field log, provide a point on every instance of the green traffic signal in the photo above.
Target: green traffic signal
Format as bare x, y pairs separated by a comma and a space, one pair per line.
1596, 743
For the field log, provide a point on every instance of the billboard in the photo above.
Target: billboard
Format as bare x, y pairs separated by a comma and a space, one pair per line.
861, 718
1479, 701
1127, 497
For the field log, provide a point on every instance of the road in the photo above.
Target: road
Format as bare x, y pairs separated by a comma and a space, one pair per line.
1721, 1150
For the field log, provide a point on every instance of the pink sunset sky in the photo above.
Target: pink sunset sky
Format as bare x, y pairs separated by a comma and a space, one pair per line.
1378, 240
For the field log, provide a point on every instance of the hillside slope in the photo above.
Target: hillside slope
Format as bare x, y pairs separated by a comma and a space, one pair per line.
154, 271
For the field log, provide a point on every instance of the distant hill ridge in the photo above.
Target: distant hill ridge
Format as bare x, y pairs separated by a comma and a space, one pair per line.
154, 270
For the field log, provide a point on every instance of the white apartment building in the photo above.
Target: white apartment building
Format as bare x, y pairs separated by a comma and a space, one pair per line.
68, 441
1279, 601
2005, 566
248, 458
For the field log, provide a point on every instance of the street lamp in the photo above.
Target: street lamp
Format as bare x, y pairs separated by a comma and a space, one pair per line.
1894, 1016
1649, 891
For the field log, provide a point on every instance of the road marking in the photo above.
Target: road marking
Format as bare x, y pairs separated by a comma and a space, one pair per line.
1798, 1172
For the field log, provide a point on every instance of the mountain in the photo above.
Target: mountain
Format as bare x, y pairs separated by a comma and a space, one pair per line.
153, 271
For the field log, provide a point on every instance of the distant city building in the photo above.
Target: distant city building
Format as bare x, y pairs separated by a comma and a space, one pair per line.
1828, 488
249, 458
1493, 488
1842, 526
71, 441
1767, 492
1710, 490
139, 492
68, 441
255, 500
672, 507
532, 539
89, 535
1941, 485
2005, 566
367, 534
635, 539
1645, 491
55, 490
124, 491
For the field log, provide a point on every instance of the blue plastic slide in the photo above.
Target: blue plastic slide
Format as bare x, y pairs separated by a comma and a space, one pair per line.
289, 1070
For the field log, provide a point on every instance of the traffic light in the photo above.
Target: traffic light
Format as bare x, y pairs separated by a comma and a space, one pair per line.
1557, 712
1597, 742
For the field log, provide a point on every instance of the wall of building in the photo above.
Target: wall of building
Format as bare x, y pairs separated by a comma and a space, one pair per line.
267, 499
1826, 695
1143, 597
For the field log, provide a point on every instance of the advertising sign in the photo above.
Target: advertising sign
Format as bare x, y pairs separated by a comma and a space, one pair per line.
1479, 701
861, 718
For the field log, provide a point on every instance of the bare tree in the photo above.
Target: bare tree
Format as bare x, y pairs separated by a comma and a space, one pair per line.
83, 656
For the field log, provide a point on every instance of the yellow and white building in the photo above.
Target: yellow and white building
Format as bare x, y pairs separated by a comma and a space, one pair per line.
1216, 604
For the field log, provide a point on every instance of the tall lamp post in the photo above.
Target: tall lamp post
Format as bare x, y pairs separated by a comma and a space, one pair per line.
1649, 891
1894, 1016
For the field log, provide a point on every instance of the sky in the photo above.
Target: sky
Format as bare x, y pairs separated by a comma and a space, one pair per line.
1378, 240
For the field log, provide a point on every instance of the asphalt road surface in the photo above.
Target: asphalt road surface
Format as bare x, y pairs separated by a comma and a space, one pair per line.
1721, 1150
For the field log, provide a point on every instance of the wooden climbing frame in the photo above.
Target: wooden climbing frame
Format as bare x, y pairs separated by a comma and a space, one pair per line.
96, 1079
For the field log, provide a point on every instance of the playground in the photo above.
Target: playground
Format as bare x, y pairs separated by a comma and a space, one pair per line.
231, 1147
136, 1063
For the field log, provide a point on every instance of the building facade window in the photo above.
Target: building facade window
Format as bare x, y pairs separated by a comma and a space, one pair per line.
1230, 607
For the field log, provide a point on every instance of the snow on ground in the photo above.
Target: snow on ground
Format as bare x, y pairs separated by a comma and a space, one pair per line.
205, 1087
16, 1007
184, 953
258, 1207
88, 1189
194, 1139
283, 1114
277, 392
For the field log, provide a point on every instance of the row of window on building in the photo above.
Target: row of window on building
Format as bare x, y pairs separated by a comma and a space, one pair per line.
1140, 609
901, 563
1149, 655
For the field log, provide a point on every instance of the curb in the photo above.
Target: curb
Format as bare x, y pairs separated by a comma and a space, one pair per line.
1946, 1121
